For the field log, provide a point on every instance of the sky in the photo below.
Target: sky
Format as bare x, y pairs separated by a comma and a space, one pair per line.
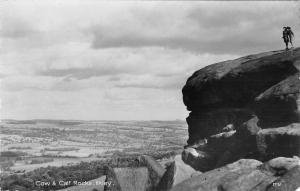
123, 60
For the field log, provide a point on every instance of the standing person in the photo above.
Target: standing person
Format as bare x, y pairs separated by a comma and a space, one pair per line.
287, 36
290, 35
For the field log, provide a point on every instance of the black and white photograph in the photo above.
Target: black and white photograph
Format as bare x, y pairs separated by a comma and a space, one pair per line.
149, 95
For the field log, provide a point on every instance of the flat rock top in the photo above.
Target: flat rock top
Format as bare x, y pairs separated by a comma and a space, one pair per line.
238, 82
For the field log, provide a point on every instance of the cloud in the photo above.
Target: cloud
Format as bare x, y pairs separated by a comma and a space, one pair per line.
59, 70
149, 81
114, 78
212, 27
16, 28
123, 60
67, 61
79, 73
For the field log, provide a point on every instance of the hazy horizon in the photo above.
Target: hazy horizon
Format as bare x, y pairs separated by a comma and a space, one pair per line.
40, 119
100, 60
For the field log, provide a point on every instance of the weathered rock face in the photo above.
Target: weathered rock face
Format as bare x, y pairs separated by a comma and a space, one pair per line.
199, 160
248, 108
223, 148
265, 85
176, 173
288, 182
143, 176
282, 141
111, 177
281, 165
214, 179
280, 104
203, 124
247, 174
156, 171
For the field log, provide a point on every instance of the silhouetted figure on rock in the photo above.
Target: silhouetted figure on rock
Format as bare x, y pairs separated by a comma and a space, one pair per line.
287, 35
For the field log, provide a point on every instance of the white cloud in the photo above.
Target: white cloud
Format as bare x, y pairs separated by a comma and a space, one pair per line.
123, 60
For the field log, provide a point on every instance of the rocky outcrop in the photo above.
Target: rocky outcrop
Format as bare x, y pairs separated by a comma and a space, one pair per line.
246, 174
242, 110
246, 95
223, 177
231, 92
143, 174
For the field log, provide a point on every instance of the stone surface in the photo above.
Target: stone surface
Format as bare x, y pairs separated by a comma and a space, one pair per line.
227, 147
279, 105
204, 124
283, 141
244, 108
217, 178
198, 160
249, 127
288, 182
133, 179
145, 175
246, 180
246, 174
230, 92
237, 82
111, 177
156, 171
176, 172
281, 165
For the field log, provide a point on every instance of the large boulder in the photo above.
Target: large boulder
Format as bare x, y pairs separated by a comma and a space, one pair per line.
288, 182
231, 92
218, 178
247, 174
244, 108
156, 171
198, 160
112, 178
252, 180
143, 174
282, 141
281, 165
176, 173
129, 179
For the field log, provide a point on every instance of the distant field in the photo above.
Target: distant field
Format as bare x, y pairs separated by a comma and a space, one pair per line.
69, 142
